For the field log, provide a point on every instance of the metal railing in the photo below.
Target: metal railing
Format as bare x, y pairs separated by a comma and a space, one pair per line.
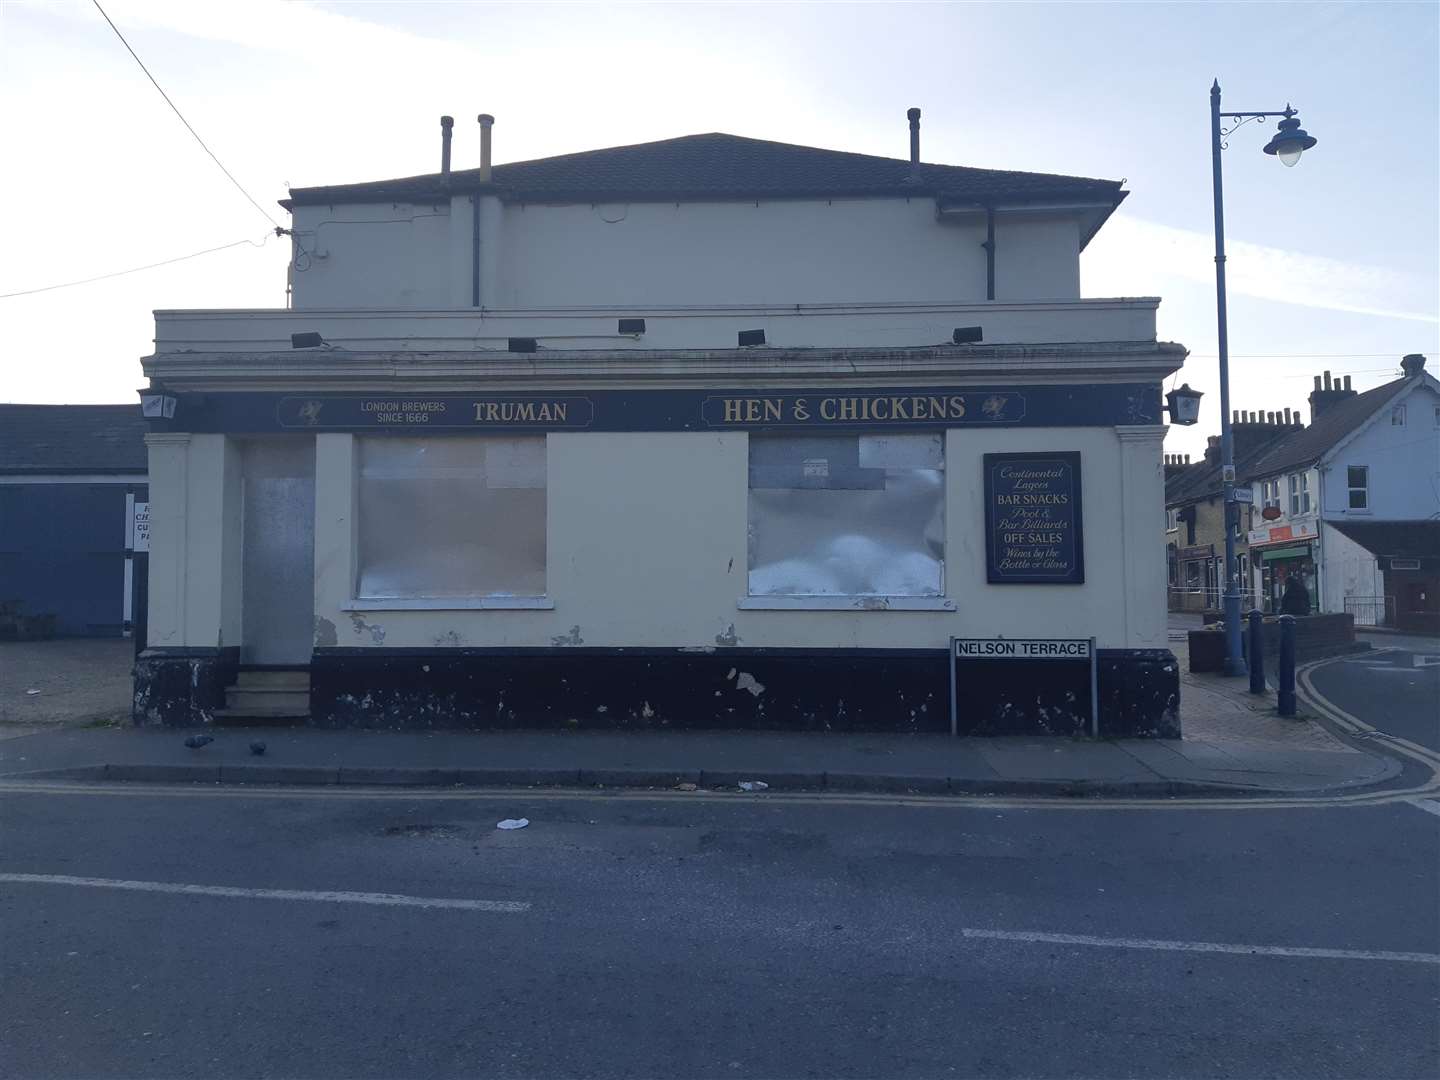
1203, 598
1371, 610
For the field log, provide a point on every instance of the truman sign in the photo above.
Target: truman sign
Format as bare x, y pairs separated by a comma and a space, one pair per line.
892, 408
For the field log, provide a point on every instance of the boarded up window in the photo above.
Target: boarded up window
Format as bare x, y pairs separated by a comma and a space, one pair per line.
452, 517
847, 515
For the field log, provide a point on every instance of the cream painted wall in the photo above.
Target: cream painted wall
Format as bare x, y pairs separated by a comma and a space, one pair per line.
374, 256
657, 254
647, 547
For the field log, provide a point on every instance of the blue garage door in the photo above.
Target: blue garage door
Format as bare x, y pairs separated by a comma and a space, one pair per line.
62, 553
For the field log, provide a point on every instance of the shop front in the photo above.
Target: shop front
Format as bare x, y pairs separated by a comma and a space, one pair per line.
660, 542
1285, 553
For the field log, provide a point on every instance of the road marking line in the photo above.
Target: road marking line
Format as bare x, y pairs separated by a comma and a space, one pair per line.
382, 899
1291, 952
512, 795
1428, 805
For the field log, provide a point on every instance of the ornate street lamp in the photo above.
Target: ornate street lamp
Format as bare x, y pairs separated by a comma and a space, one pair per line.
1183, 405
1288, 143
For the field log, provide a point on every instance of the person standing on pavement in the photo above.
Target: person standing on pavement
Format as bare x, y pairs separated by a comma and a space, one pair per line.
1296, 600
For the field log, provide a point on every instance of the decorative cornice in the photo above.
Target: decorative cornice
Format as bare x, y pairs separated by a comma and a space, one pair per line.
1086, 363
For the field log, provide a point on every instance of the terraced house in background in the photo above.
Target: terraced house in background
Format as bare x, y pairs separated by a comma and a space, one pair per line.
709, 431
1349, 504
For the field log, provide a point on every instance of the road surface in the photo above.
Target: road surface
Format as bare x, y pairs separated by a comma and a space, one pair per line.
186, 934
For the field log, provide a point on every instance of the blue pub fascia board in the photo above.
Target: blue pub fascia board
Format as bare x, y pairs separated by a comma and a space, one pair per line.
823, 408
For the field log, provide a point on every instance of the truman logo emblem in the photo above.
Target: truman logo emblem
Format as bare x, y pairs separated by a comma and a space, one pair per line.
310, 412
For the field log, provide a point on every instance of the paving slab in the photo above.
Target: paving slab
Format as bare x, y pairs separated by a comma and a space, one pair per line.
1063, 760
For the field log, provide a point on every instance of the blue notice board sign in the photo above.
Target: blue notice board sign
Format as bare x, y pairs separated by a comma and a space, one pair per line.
1033, 519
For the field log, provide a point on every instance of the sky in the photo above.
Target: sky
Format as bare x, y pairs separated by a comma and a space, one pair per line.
1334, 264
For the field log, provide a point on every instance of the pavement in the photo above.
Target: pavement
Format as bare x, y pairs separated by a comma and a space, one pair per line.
1233, 744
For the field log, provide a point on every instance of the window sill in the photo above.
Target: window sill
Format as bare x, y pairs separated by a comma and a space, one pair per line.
845, 603
1361, 513
453, 603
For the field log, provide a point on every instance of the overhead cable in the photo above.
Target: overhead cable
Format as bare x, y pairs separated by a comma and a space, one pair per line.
137, 269
181, 115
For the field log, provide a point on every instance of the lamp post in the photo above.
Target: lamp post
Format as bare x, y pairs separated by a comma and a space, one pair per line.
1288, 143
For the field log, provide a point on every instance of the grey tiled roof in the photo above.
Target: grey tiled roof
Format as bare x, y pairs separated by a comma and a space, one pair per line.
717, 165
72, 439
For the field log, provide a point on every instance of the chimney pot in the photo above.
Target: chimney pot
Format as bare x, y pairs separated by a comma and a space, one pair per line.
447, 125
913, 115
1412, 364
1327, 381
1347, 382
1271, 417
1317, 382
486, 122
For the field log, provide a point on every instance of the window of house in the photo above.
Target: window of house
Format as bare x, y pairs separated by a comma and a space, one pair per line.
1299, 493
1270, 493
1397, 416
460, 516
1172, 519
1357, 479
1437, 415
847, 515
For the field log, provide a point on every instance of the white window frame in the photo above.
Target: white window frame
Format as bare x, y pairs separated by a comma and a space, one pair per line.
1363, 489
1397, 415
1172, 518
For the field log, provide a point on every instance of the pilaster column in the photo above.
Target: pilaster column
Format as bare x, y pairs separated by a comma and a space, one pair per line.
336, 506
169, 455
1142, 545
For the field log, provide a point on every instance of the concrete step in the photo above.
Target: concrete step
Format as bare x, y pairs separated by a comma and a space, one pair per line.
268, 699
293, 680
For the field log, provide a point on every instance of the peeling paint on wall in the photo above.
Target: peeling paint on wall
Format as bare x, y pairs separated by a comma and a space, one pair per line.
376, 632
449, 639
729, 637
746, 681
572, 638
325, 635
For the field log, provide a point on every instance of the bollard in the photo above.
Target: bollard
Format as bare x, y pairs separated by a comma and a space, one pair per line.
1257, 653
1285, 700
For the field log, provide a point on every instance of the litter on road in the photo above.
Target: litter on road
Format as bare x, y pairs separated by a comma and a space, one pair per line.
753, 785
513, 823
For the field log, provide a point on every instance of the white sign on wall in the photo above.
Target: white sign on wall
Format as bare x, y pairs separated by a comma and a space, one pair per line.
140, 527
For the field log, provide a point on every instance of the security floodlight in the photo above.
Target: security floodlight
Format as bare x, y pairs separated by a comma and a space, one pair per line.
967, 335
308, 340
